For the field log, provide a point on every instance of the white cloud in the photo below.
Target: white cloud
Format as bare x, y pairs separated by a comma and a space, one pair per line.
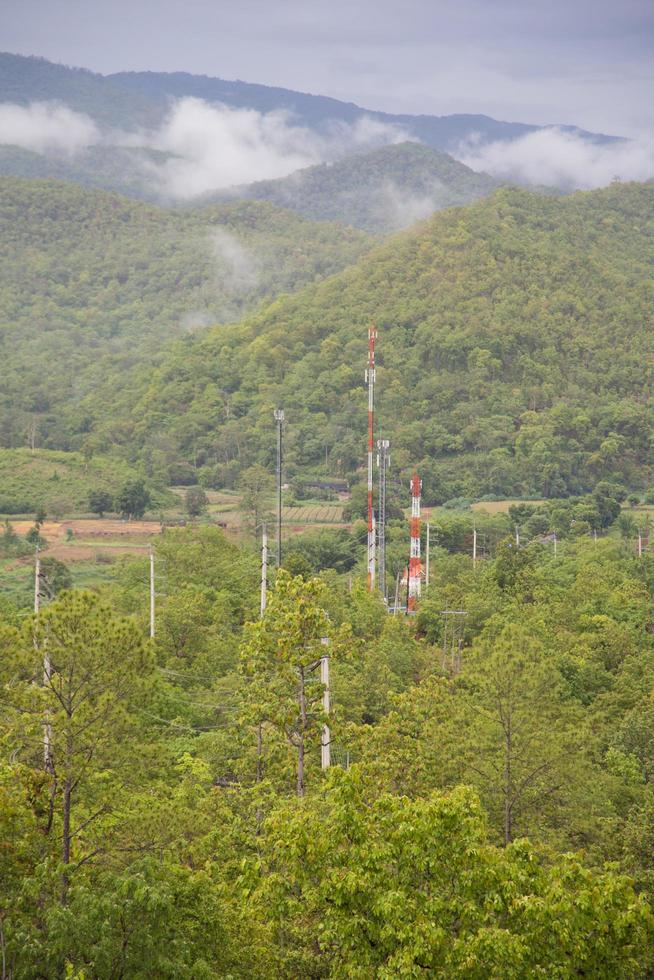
560, 159
46, 127
213, 146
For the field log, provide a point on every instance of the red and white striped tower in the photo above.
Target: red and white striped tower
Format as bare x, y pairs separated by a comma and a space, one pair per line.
370, 378
415, 564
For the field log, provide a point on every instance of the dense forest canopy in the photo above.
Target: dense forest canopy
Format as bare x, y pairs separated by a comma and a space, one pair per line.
92, 285
488, 811
384, 190
515, 343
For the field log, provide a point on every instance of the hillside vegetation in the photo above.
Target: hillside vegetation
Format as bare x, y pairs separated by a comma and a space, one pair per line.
92, 285
515, 356
60, 482
384, 190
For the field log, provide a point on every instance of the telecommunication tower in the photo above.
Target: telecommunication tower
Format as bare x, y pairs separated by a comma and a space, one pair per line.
370, 379
415, 563
383, 461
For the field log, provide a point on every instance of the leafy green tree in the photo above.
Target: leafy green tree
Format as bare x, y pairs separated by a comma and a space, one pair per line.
100, 501
195, 501
133, 499
255, 486
281, 653
360, 884
84, 671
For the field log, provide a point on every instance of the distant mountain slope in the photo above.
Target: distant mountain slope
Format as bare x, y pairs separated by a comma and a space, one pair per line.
31, 79
516, 356
129, 99
123, 170
384, 190
317, 111
92, 285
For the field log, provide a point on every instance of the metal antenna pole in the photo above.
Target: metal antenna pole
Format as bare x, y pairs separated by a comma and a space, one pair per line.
279, 419
383, 460
325, 741
264, 568
151, 594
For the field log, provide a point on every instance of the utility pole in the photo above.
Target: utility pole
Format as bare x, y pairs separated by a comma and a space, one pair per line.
427, 559
397, 593
151, 594
517, 536
47, 730
640, 545
474, 546
279, 419
383, 461
264, 568
370, 379
325, 741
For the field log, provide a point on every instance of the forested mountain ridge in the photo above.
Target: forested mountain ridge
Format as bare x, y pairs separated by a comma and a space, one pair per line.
515, 355
384, 190
318, 111
92, 285
131, 99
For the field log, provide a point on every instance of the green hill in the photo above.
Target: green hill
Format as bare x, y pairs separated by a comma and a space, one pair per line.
384, 190
61, 482
515, 348
92, 285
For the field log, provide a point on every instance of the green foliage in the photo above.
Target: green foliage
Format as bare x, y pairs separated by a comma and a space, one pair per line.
388, 887
32, 481
133, 500
100, 501
380, 191
507, 364
93, 285
195, 501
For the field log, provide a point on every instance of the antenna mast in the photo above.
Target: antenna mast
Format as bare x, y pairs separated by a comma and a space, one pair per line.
383, 461
370, 378
415, 564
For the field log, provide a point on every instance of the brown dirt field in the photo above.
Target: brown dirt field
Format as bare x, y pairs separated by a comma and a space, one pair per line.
501, 506
132, 537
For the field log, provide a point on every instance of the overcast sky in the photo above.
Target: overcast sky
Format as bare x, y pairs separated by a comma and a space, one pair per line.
585, 62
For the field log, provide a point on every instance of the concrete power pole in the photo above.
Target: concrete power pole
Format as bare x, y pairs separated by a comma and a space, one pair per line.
264, 568
325, 741
427, 559
474, 545
47, 728
151, 594
279, 419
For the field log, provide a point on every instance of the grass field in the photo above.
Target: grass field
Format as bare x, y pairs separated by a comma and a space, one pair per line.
313, 514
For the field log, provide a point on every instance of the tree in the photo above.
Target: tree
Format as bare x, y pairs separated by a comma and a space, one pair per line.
195, 501
281, 653
100, 501
361, 884
133, 499
255, 486
85, 671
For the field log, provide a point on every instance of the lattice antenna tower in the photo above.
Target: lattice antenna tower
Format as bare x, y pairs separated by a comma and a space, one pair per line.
415, 562
383, 462
370, 379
